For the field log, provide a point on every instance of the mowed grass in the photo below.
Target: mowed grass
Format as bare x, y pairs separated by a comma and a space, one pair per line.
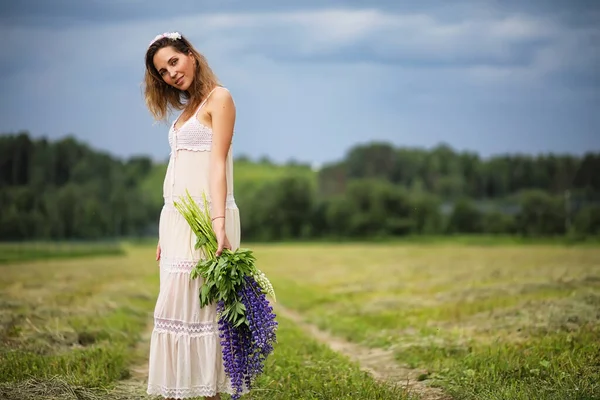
79, 318
71, 329
488, 322
301, 368
28, 251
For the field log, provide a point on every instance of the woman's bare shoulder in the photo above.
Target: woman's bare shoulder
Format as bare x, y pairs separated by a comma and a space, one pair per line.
221, 95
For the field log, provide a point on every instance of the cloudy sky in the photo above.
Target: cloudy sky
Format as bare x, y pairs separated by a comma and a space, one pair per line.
311, 80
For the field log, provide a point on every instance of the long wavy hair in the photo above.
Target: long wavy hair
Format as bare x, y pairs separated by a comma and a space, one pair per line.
160, 97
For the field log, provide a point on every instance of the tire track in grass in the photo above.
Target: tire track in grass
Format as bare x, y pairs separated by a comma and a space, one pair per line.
134, 388
380, 364
139, 372
377, 362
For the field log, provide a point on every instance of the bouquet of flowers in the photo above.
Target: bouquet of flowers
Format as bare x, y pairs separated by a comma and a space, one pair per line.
247, 325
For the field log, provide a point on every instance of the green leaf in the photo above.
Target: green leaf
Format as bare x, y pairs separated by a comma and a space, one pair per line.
204, 294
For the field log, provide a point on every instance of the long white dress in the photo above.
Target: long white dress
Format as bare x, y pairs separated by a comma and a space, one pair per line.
185, 351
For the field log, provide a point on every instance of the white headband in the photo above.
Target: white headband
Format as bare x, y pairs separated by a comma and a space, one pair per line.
170, 35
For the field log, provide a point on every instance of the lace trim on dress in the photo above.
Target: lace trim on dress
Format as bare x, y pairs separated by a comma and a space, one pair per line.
177, 265
195, 148
192, 329
183, 393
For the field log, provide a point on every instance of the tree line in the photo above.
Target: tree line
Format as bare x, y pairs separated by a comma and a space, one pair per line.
64, 189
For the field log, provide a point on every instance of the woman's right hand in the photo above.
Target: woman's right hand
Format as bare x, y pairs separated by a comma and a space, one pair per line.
158, 252
222, 240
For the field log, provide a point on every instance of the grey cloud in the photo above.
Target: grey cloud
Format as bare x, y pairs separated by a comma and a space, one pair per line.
515, 45
67, 12
356, 79
414, 40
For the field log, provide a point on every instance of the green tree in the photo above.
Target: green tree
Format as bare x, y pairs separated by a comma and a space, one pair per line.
541, 214
587, 220
465, 218
426, 215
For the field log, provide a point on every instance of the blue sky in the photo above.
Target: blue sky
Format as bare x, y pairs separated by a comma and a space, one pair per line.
310, 81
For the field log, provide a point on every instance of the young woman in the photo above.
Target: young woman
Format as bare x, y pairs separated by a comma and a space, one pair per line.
185, 352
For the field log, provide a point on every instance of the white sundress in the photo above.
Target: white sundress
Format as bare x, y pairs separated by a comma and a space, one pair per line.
185, 353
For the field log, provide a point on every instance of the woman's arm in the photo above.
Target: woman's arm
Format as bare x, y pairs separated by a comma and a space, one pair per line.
222, 109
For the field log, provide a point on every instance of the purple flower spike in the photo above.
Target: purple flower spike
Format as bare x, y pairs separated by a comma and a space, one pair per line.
246, 347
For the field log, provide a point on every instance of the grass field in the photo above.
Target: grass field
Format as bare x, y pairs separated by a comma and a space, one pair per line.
488, 322
17, 252
507, 321
81, 321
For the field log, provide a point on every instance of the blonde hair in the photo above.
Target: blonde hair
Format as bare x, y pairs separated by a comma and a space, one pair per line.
160, 97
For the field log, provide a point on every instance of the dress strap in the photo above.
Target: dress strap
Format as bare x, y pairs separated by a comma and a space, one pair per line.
206, 99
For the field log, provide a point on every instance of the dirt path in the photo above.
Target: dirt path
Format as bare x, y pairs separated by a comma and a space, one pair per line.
379, 363
139, 372
134, 388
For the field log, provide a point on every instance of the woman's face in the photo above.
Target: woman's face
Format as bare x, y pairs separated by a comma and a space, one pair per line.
176, 69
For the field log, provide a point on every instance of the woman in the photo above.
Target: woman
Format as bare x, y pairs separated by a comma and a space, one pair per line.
185, 352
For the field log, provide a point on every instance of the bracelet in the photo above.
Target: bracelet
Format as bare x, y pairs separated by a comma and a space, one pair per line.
221, 216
